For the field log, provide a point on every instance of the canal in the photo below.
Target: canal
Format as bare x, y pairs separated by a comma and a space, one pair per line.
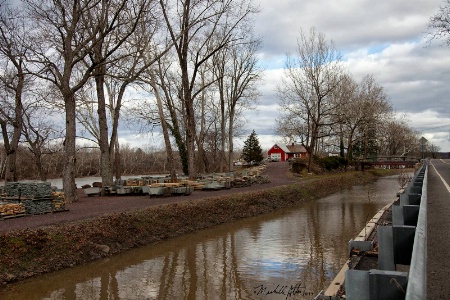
290, 254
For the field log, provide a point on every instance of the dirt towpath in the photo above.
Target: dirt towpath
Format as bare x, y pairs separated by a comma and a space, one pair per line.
91, 207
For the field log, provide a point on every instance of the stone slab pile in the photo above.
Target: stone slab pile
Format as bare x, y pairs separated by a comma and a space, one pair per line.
36, 197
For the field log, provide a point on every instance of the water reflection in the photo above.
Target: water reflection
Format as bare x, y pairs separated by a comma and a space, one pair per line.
297, 251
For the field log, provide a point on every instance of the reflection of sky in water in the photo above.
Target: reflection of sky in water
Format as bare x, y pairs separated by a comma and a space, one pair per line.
285, 249
277, 268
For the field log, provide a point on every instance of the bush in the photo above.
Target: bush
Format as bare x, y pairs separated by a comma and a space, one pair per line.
331, 162
298, 166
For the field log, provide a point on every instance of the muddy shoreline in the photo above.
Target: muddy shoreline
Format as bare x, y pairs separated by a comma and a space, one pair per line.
25, 253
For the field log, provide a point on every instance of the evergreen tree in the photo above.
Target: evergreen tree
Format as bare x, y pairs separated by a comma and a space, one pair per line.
252, 152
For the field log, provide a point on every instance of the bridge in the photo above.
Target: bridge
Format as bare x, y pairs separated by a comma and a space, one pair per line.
390, 162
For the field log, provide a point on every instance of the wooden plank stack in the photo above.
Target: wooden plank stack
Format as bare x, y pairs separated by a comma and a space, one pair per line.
10, 210
58, 202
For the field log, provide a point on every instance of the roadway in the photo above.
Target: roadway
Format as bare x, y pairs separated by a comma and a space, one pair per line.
438, 230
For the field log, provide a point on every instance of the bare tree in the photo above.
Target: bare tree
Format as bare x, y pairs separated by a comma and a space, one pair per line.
12, 80
347, 114
135, 49
362, 105
68, 49
209, 25
310, 79
61, 44
237, 73
121, 19
164, 125
164, 77
397, 138
439, 24
40, 133
377, 111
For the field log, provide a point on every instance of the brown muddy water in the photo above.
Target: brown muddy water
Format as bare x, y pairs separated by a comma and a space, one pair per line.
291, 254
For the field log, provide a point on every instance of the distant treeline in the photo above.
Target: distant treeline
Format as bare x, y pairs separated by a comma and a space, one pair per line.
134, 161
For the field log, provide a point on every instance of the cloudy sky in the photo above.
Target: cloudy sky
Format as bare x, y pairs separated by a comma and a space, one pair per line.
387, 39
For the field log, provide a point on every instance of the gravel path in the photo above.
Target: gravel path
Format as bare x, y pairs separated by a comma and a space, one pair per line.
91, 207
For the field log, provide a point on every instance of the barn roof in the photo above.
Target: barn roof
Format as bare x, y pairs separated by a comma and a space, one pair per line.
291, 148
295, 148
283, 147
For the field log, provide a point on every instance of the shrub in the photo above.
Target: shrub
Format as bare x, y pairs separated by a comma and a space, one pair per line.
298, 166
331, 162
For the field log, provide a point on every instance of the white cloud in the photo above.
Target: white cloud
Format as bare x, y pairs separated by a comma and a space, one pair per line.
386, 39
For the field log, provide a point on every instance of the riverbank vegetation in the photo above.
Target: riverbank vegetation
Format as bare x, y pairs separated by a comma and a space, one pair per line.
28, 253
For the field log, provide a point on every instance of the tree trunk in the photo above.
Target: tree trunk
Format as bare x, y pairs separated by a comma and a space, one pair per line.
105, 155
312, 146
11, 170
39, 165
175, 129
117, 160
170, 160
190, 124
114, 147
201, 159
12, 146
230, 142
70, 189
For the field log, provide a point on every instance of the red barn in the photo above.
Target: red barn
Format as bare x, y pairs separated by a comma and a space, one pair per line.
280, 152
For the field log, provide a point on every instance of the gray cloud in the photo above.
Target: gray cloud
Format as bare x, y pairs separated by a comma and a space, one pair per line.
386, 39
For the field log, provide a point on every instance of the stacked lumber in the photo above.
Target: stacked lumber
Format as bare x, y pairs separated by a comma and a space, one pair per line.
193, 184
177, 184
10, 210
135, 182
58, 201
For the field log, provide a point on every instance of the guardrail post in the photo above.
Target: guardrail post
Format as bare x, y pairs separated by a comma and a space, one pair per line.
403, 244
386, 248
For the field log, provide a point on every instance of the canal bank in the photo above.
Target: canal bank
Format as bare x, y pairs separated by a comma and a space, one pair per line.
26, 253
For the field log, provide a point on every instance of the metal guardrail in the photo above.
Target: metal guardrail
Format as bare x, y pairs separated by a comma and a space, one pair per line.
402, 243
417, 279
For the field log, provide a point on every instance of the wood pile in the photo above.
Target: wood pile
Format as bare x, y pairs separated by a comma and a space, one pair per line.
9, 210
58, 201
